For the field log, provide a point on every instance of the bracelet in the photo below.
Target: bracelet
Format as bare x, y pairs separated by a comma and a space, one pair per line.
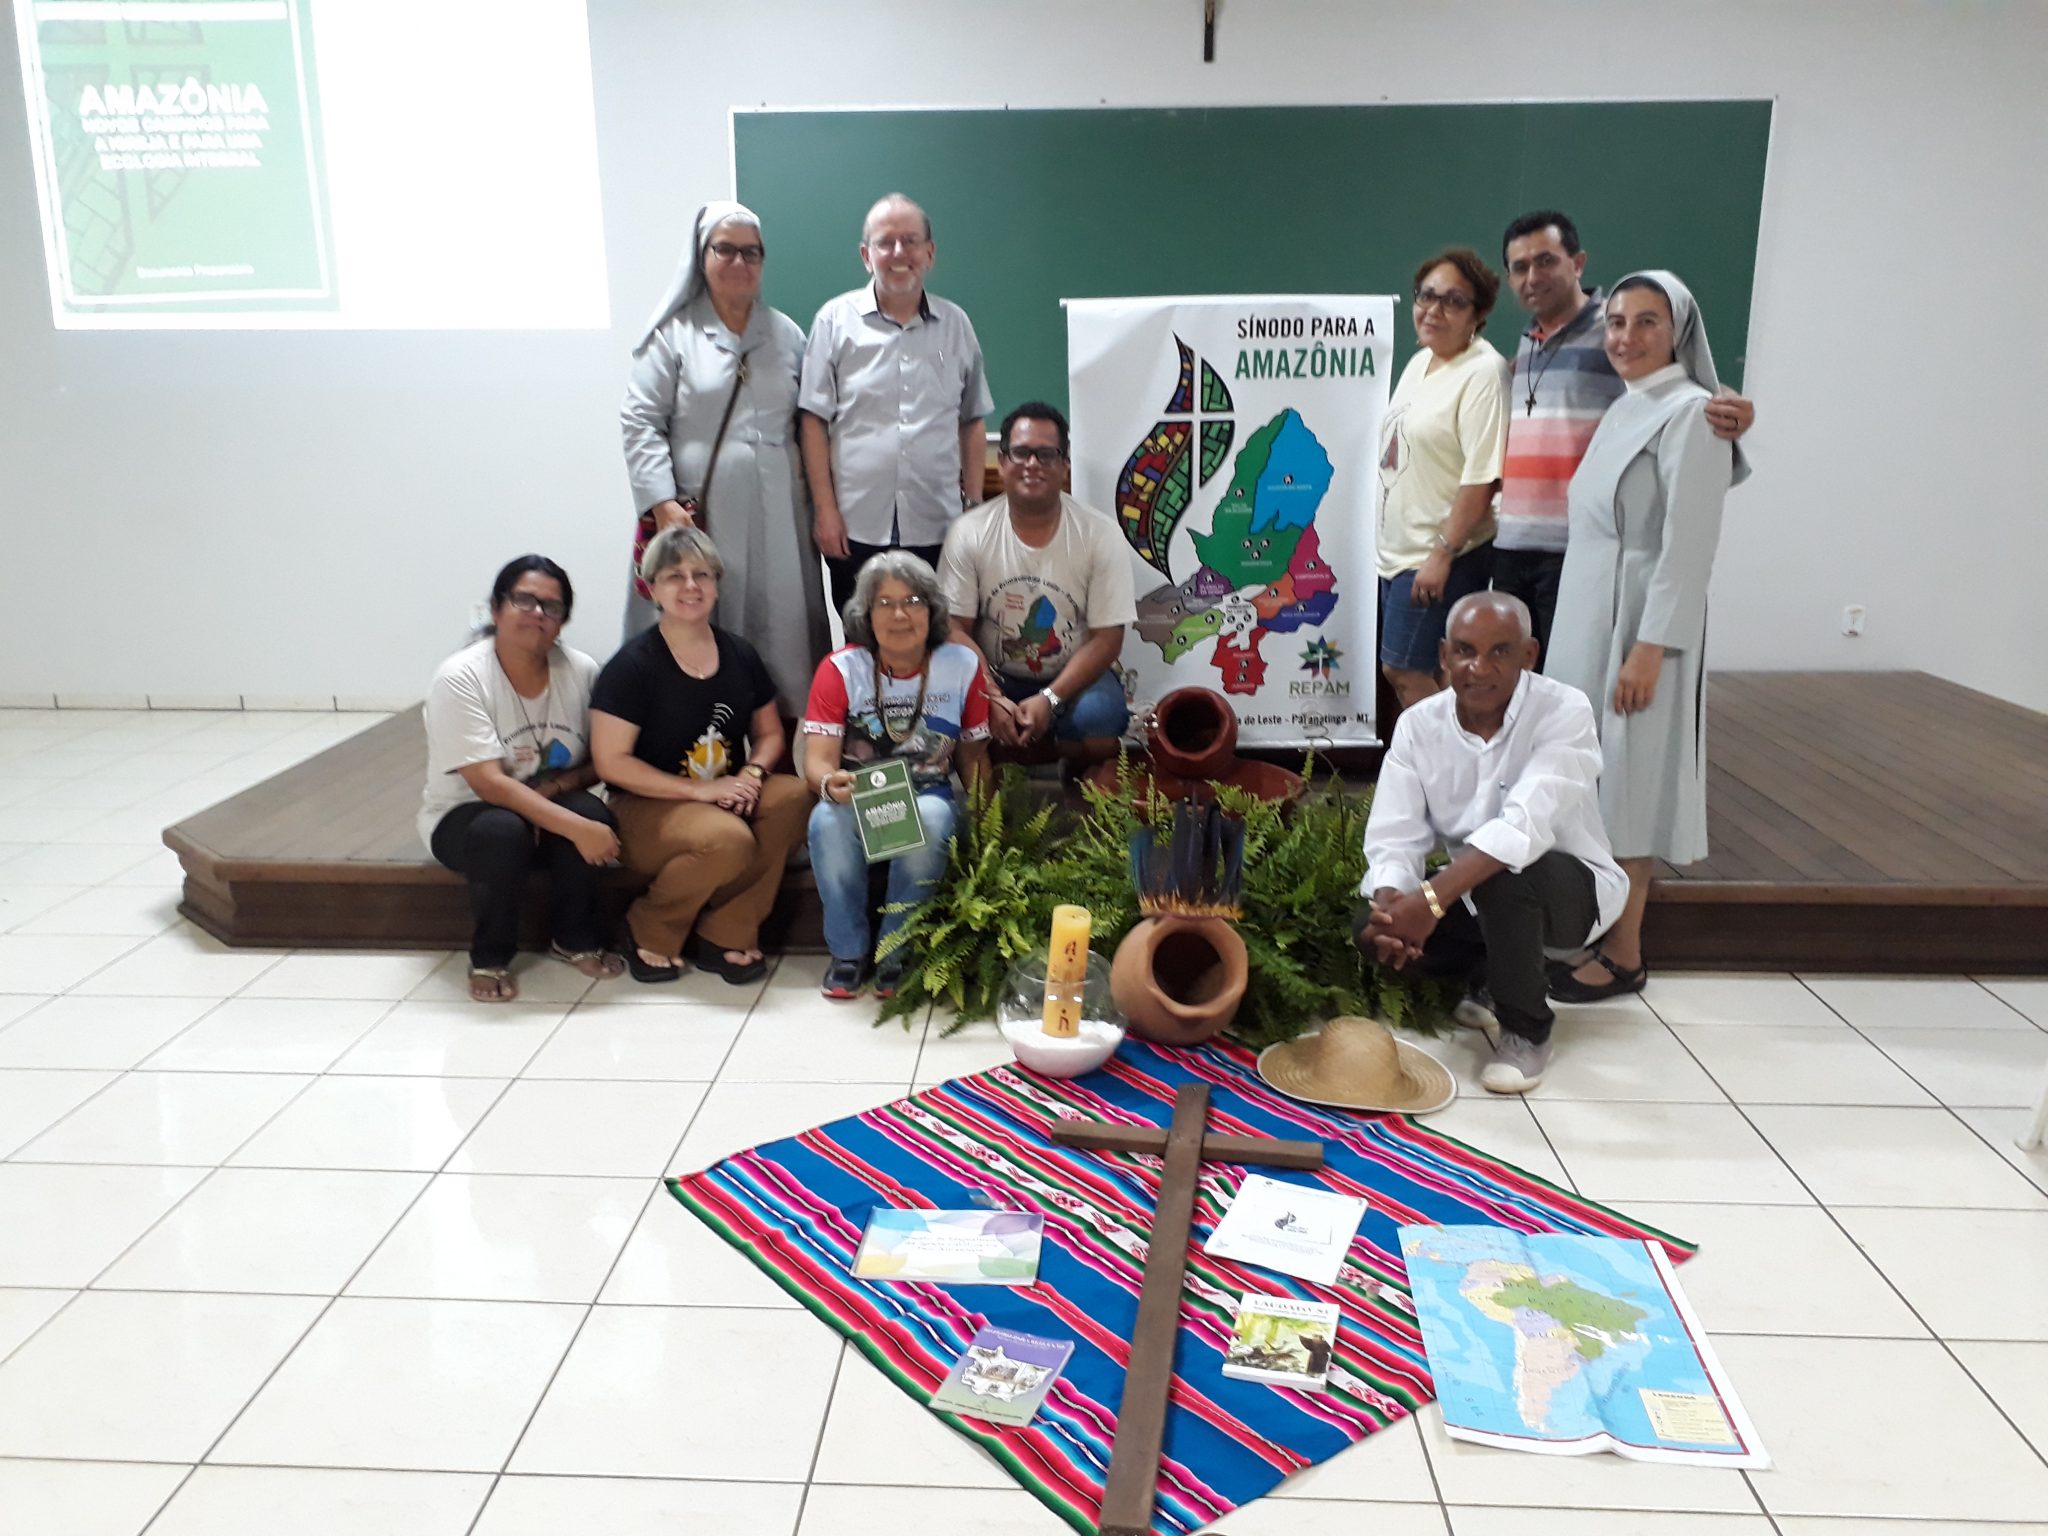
1436, 908
1446, 545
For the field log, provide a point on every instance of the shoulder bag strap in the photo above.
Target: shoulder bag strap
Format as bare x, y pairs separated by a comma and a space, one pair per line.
739, 382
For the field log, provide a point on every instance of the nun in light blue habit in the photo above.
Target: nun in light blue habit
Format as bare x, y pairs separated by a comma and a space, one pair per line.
1631, 628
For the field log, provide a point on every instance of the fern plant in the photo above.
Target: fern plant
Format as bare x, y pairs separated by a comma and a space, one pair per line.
1013, 862
1303, 866
993, 906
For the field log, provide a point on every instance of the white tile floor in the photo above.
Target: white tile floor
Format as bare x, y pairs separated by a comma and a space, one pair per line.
309, 1243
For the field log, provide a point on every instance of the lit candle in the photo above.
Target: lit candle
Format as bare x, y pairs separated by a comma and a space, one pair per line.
1066, 969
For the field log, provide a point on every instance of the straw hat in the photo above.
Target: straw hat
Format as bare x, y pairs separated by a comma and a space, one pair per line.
1355, 1063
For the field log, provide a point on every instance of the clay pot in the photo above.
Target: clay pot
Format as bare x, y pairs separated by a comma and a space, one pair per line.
1178, 980
1194, 734
1266, 780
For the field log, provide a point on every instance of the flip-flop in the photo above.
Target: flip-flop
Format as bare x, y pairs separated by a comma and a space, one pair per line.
648, 975
503, 988
597, 964
711, 957
1569, 989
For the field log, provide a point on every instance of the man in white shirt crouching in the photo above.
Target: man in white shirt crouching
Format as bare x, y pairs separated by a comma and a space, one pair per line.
1503, 773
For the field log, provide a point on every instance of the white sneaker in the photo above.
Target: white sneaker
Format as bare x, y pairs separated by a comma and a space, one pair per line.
1518, 1064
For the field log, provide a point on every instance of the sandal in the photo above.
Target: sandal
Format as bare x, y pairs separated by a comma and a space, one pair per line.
637, 966
492, 984
597, 964
710, 957
1569, 989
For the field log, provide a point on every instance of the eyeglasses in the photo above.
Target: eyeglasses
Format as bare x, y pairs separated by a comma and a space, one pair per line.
1031, 455
889, 245
725, 250
1449, 303
675, 575
910, 604
527, 602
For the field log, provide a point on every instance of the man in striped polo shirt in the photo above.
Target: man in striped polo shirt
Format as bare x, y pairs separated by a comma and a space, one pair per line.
1561, 386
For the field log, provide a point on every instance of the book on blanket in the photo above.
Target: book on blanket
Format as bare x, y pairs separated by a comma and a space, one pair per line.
1003, 1376
1283, 1341
950, 1247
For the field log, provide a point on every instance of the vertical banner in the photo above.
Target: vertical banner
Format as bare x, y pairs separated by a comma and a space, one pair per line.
1233, 441
176, 148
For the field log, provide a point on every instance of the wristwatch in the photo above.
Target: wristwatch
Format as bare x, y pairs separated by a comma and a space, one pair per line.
1052, 698
755, 769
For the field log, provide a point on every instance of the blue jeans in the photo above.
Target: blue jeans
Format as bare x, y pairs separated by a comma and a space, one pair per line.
841, 870
1096, 712
1409, 634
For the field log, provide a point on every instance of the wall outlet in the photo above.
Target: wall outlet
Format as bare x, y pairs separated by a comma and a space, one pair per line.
1852, 620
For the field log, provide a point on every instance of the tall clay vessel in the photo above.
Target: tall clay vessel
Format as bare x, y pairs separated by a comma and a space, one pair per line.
1191, 748
1194, 734
1179, 980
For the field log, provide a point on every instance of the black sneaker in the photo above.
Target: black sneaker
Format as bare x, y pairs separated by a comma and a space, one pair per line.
845, 979
888, 978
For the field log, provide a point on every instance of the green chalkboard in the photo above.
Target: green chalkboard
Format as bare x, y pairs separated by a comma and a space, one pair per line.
1030, 207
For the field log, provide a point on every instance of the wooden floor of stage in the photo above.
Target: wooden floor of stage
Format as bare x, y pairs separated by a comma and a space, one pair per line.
1864, 820
1880, 821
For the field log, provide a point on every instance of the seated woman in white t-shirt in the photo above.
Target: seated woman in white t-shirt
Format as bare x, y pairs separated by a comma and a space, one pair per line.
509, 776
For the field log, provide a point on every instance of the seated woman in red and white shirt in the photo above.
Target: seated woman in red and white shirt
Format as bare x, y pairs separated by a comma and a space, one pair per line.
899, 689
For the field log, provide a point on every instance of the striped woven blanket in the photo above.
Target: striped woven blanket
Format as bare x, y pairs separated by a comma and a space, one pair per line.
797, 1209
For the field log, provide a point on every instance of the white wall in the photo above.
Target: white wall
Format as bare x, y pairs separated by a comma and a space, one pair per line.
312, 514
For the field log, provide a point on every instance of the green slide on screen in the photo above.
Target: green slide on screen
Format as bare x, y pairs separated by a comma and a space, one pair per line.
178, 155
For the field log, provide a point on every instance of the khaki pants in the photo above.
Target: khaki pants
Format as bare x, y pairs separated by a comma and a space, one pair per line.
713, 872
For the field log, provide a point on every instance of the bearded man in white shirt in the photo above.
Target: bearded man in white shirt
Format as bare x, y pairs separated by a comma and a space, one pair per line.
1502, 772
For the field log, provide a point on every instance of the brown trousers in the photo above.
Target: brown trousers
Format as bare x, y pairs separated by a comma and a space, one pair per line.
713, 872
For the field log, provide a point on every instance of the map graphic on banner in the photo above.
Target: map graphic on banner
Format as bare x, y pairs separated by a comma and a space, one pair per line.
1242, 586
178, 154
1567, 1345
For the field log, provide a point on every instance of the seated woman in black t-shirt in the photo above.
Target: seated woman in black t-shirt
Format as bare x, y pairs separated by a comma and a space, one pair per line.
684, 729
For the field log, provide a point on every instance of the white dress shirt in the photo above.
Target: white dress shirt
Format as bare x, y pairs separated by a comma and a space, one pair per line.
1534, 787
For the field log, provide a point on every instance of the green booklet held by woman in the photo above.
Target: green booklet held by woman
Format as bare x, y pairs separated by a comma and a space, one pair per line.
885, 810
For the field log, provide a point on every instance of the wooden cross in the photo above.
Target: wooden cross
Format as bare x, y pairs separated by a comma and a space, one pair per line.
1148, 1381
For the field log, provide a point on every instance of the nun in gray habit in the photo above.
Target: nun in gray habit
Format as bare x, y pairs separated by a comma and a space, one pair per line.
1645, 517
712, 344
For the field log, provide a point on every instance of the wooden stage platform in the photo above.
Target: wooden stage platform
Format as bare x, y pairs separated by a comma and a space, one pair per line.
1874, 821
